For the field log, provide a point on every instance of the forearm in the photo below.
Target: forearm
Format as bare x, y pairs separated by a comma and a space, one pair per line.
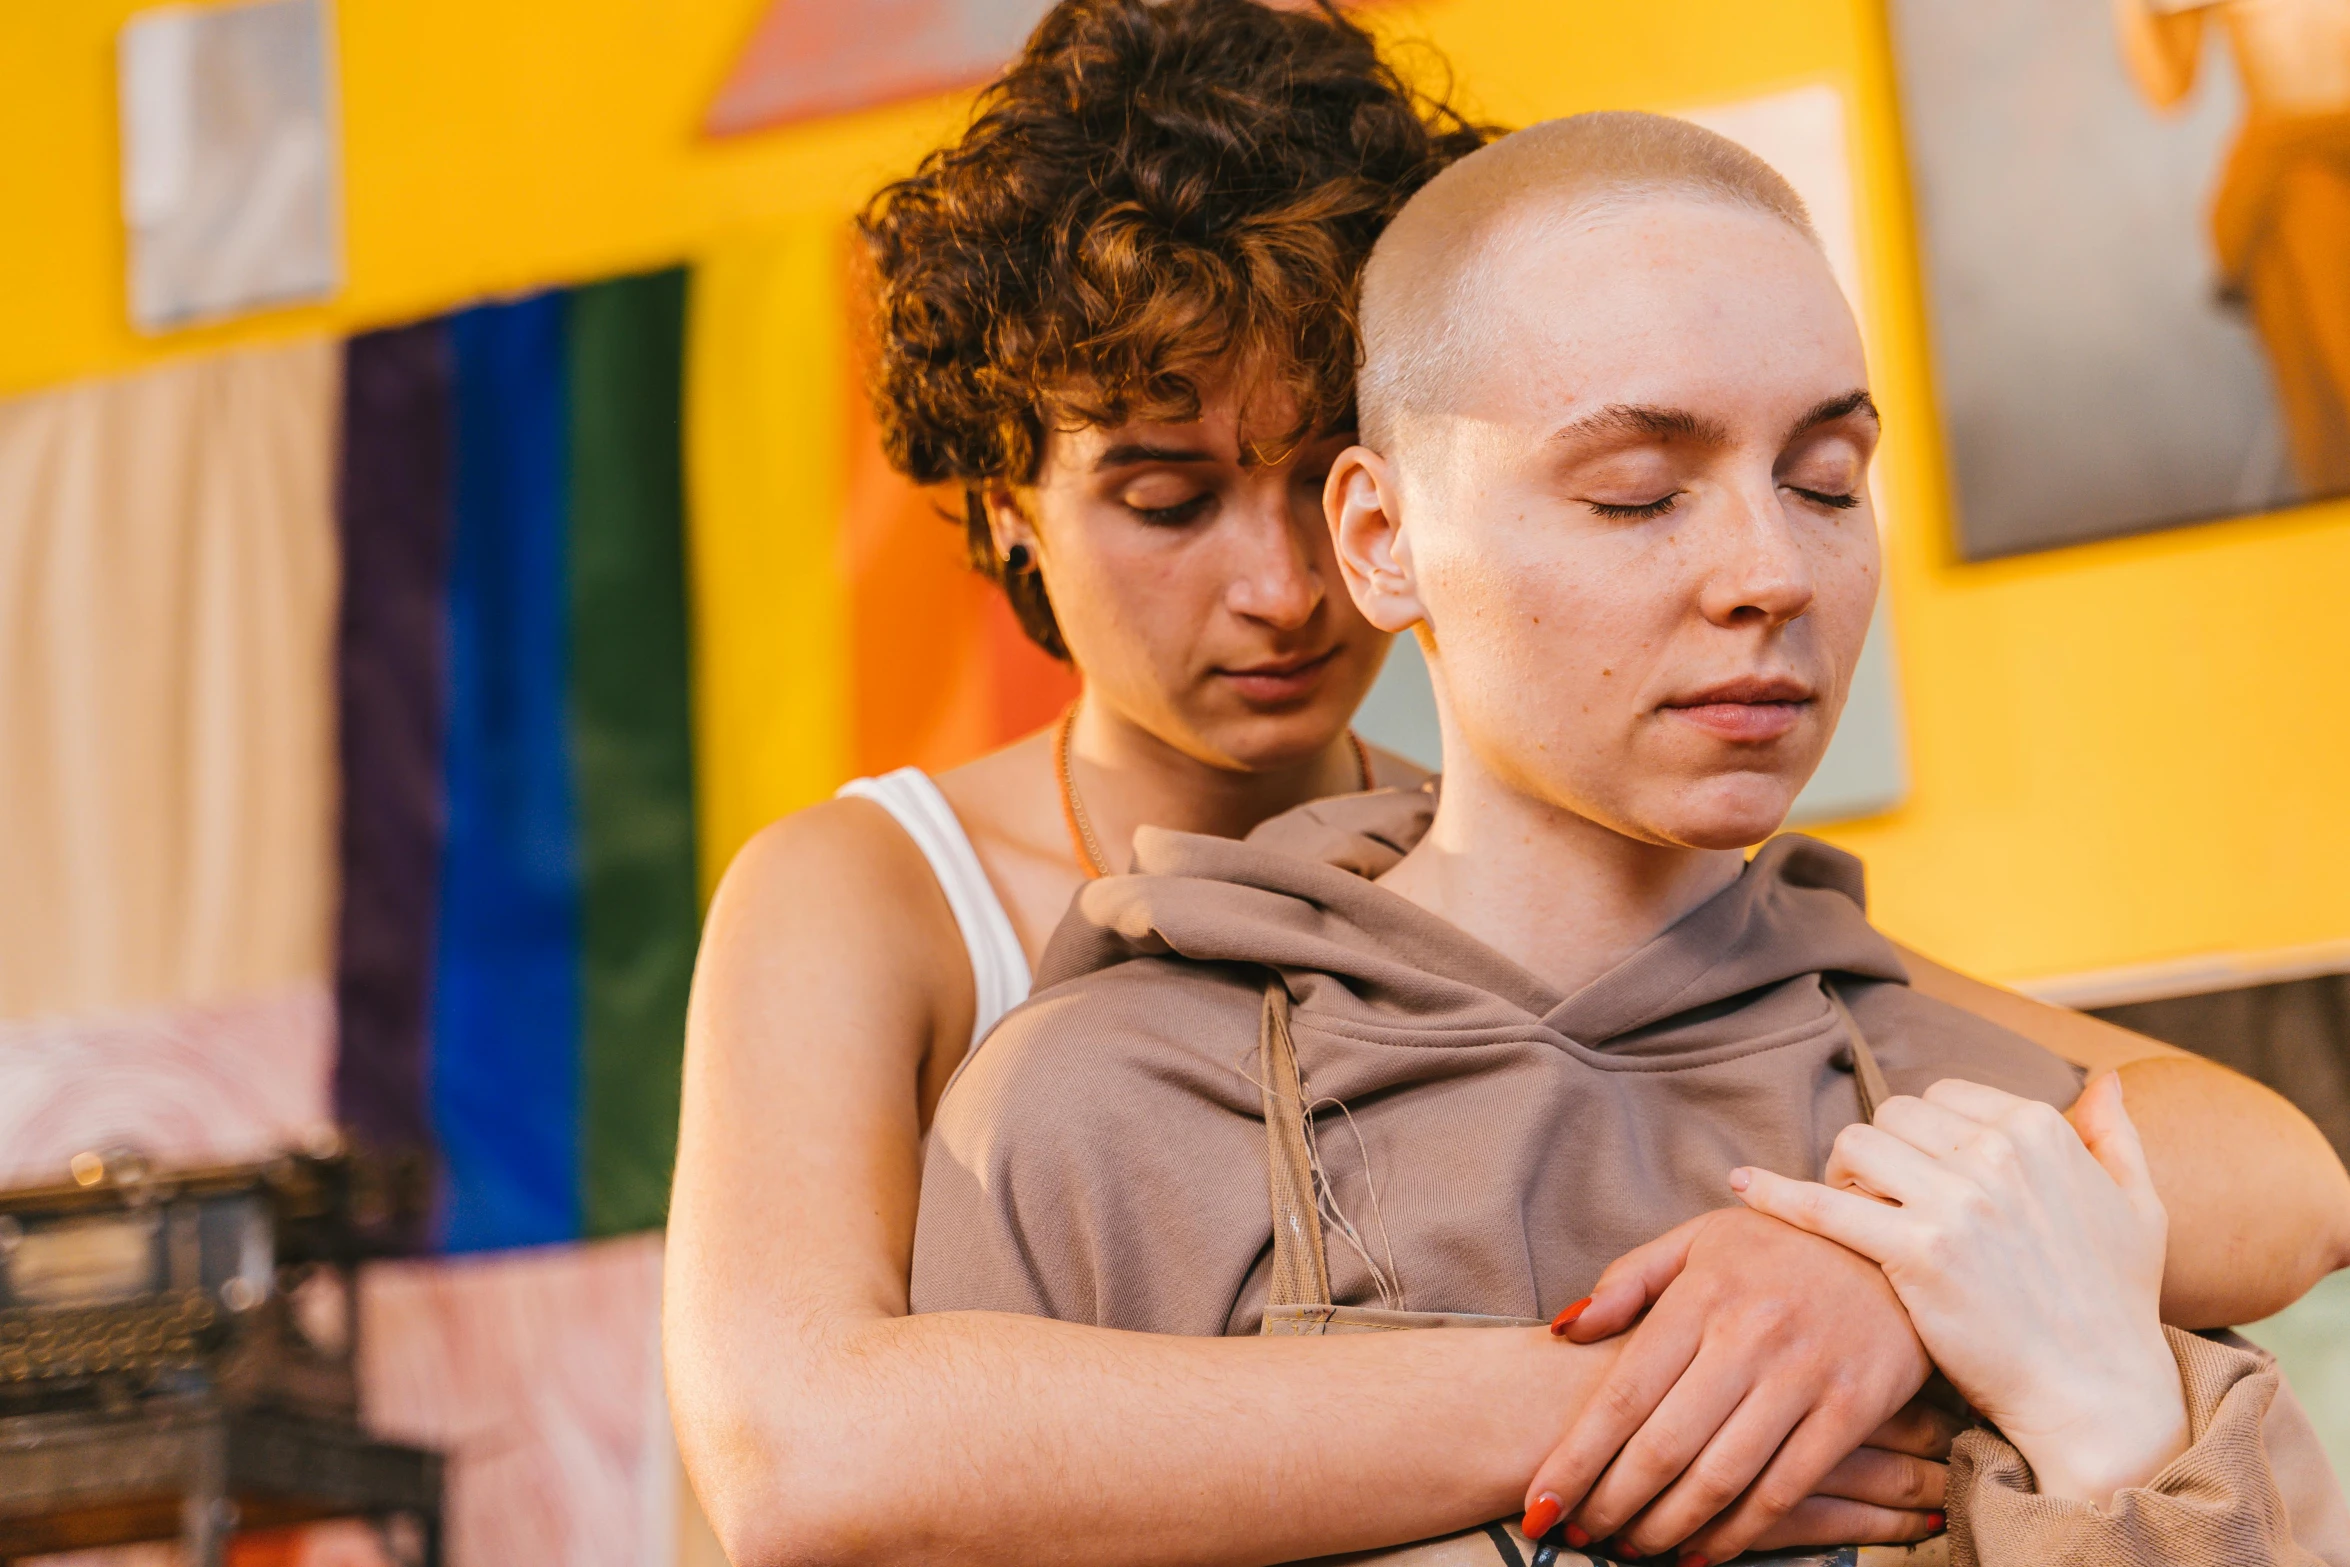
980, 1438
2259, 1204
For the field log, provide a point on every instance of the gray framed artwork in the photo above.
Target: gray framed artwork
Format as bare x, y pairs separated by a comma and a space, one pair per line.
231, 159
2135, 225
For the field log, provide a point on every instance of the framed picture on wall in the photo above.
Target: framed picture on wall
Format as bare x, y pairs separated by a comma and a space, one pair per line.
2135, 217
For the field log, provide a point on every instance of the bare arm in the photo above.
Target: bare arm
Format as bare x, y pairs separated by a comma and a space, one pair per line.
2259, 1204
820, 1423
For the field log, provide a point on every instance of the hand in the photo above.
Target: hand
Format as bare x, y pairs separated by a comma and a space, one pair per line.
2030, 1257
1769, 1356
1888, 1491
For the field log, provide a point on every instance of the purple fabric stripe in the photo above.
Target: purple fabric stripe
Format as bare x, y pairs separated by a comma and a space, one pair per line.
396, 500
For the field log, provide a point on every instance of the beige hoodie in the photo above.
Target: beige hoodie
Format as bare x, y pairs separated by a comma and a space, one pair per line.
1101, 1157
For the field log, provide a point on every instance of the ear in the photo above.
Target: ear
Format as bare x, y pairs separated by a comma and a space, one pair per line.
1363, 503
1007, 521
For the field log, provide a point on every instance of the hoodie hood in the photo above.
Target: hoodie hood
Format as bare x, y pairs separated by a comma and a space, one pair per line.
1485, 1144
1299, 896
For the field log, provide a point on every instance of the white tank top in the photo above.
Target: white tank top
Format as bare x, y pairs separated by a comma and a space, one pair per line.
999, 969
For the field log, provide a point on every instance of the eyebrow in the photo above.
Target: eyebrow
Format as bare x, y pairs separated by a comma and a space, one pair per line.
1665, 424
1134, 452
1636, 419
1835, 408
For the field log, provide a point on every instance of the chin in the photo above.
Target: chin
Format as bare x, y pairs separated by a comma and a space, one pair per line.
1257, 742
1729, 813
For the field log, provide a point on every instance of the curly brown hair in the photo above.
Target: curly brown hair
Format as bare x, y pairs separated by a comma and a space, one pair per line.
1154, 192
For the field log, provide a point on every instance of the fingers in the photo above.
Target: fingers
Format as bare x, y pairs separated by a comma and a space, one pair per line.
1879, 1162
1828, 1520
1976, 1101
1824, 1439
1868, 1227
1632, 1284
1699, 1487
2112, 1138
1919, 1428
1886, 1479
1645, 1372
1924, 1125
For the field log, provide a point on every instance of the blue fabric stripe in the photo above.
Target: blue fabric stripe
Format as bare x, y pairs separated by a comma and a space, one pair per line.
506, 1002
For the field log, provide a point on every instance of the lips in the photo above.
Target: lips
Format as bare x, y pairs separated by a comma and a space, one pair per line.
1751, 710
1277, 682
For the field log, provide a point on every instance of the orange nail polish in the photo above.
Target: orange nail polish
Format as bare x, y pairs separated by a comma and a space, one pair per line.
1935, 1522
1542, 1517
1565, 1320
1577, 1538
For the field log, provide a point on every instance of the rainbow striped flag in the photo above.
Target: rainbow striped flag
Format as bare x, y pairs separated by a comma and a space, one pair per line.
519, 905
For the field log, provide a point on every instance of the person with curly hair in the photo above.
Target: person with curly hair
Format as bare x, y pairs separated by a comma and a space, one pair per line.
1118, 313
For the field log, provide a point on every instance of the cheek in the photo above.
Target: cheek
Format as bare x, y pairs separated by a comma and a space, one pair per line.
1849, 583
1131, 600
1519, 629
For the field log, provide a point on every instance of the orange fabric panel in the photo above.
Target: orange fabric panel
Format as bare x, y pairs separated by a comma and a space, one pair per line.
939, 669
1030, 685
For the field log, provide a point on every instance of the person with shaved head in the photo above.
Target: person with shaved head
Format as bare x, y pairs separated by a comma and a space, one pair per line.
1511, 1054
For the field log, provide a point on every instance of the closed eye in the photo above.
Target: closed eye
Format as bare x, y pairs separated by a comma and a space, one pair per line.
1635, 511
1177, 515
1839, 502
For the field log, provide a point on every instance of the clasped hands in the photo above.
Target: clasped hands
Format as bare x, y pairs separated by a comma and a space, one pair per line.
1769, 1397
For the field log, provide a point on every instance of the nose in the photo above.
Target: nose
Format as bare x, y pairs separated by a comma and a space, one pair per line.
1276, 563
1761, 574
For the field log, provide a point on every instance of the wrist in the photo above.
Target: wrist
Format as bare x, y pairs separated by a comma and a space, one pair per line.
1536, 1385
2112, 1443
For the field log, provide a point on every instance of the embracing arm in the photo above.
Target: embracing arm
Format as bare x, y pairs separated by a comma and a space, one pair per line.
2259, 1204
821, 1423
2028, 1249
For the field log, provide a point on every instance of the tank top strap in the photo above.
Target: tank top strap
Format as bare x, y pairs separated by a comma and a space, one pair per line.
999, 969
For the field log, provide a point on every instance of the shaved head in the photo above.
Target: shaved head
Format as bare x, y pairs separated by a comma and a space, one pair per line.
1426, 330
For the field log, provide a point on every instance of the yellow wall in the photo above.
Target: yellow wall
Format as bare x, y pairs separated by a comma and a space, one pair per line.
2120, 753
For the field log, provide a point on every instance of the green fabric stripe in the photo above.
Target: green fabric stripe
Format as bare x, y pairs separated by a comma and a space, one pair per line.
632, 745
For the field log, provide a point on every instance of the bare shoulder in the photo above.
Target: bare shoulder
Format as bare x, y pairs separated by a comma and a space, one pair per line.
834, 911
848, 860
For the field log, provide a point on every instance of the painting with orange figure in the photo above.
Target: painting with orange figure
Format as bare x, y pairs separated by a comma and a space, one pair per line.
2136, 219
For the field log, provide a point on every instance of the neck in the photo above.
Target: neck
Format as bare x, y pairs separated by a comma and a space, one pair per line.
1129, 778
1564, 897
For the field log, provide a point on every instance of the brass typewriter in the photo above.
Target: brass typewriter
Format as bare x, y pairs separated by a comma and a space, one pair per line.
178, 1353
130, 1281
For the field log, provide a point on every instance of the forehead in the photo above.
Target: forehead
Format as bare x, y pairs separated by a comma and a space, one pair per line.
1661, 300
1246, 416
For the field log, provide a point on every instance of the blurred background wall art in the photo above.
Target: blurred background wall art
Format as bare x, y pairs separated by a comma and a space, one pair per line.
2137, 220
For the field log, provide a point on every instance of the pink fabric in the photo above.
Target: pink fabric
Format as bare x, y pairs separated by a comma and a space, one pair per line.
539, 1372
341, 1544
211, 1084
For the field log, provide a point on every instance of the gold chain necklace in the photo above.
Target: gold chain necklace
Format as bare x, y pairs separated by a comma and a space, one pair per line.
1080, 825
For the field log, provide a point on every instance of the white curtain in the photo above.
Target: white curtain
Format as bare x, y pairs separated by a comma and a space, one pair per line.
167, 602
